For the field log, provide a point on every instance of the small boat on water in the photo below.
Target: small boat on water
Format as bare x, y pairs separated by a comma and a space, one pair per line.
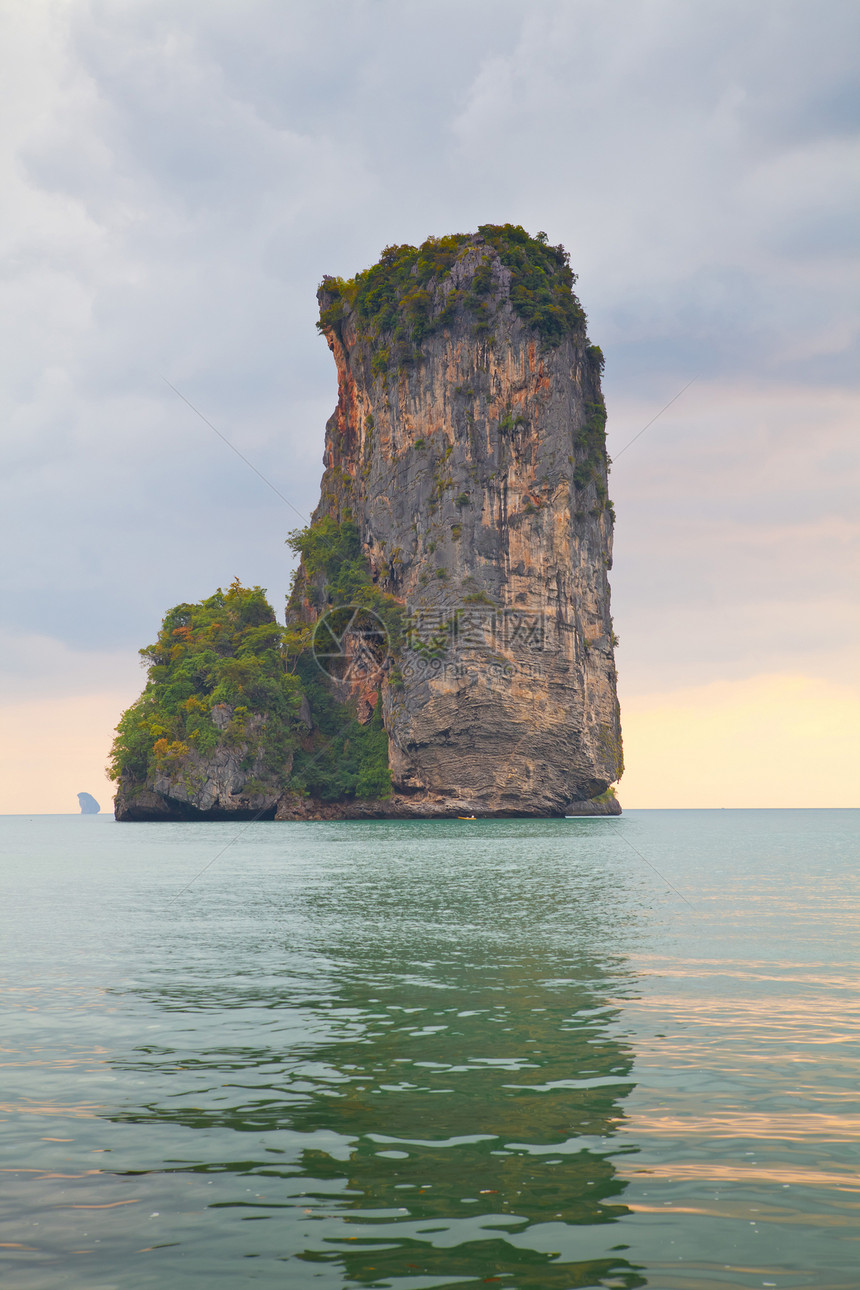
467, 817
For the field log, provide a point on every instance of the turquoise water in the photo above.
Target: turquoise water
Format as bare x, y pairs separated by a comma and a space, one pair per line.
548, 1054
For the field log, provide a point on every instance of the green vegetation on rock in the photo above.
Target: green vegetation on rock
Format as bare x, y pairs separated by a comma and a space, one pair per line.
541, 281
393, 293
398, 301
590, 439
229, 653
336, 572
225, 653
341, 758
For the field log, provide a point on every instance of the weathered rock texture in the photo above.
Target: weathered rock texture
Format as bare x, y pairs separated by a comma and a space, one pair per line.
230, 782
476, 472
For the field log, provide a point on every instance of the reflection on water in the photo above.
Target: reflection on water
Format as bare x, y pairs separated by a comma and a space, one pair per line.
438, 1089
418, 1055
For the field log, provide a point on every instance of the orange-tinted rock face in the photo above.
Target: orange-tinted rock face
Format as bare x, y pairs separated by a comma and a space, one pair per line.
477, 477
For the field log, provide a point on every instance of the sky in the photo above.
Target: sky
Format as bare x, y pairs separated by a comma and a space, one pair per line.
178, 175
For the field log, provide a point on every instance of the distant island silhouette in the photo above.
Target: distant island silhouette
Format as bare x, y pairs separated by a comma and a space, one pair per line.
89, 805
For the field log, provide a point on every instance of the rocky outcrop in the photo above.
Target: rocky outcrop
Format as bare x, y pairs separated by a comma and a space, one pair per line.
229, 781
468, 447
88, 804
448, 649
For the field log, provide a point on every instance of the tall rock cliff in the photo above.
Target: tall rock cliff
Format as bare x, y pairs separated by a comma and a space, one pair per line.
448, 648
467, 449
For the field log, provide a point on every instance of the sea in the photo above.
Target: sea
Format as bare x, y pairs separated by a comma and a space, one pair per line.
532, 1054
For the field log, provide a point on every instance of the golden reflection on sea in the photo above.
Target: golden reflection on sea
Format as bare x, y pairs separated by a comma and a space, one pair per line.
749, 1125
785, 1176
84, 1110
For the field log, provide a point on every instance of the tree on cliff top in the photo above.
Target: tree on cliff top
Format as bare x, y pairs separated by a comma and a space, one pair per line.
396, 301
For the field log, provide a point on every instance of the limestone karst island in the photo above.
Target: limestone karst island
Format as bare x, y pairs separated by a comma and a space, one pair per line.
448, 648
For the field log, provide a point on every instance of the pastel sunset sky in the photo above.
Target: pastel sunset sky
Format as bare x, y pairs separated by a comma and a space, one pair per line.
178, 176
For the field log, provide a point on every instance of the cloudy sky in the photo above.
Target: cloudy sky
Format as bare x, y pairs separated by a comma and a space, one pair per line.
179, 174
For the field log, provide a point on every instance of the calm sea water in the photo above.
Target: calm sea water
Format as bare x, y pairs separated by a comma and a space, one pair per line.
545, 1055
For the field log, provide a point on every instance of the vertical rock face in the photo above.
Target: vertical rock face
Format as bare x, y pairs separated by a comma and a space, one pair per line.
468, 447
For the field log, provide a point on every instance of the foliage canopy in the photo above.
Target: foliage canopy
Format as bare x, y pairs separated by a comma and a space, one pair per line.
229, 650
335, 572
226, 650
395, 303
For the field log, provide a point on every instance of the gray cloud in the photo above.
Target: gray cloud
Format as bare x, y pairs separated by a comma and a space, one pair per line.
181, 178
